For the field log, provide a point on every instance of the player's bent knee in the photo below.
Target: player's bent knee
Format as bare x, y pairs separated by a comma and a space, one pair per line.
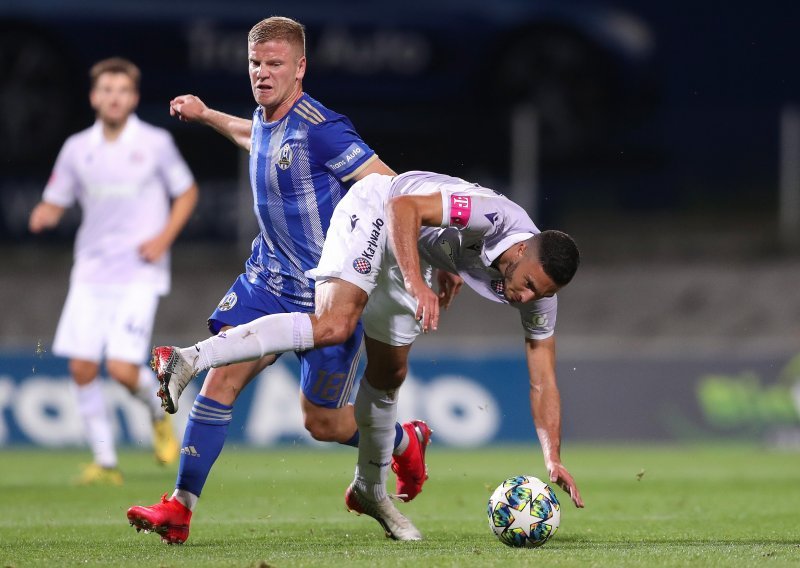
83, 372
321, 432
321, 428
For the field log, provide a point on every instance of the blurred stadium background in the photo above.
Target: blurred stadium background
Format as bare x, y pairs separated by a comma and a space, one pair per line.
664, 136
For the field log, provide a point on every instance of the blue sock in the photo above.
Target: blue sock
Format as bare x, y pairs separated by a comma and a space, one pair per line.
398, 437
398, 434
203, 439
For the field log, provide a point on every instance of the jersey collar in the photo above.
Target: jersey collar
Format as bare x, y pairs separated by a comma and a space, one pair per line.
132, 125
490, 253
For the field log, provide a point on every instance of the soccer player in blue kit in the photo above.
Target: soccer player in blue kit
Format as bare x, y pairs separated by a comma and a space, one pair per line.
303, 157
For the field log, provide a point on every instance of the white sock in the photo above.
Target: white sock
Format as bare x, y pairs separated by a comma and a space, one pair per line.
96, 424
187, 499
267, 335
146, 391
376, 414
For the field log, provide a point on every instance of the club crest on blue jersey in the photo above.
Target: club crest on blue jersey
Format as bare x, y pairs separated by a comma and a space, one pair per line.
362, 265
227, 302
285, 157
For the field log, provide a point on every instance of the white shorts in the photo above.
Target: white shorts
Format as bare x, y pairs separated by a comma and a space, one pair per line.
111, 320
356, 250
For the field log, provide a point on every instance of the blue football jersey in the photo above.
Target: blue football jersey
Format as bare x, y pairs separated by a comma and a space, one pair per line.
300, 167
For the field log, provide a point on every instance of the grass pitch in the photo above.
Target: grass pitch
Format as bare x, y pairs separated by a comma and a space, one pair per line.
676, 506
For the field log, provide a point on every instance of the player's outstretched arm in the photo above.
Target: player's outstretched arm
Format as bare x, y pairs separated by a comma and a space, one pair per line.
546, 410
44, 216
190, 108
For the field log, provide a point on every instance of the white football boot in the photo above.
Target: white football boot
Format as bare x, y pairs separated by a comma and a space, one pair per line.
394, 523
174, 372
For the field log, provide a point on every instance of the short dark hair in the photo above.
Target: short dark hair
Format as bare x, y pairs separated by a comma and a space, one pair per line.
115, 65
558, 254
279, 28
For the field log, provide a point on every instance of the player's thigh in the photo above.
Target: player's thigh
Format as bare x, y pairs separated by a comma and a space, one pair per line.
83, 372
390, 314
327, 374
85, 322
132, 325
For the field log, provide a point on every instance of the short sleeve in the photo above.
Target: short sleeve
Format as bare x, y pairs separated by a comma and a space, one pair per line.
463, 210
174, 170
341, 150
62, 187
539, 318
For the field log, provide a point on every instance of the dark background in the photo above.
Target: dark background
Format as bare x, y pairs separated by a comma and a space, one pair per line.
658, 147
650, 112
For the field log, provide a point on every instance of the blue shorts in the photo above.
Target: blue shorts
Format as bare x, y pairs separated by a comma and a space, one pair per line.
326, 374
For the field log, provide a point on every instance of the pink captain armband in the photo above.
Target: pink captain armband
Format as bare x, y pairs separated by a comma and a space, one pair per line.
460, 210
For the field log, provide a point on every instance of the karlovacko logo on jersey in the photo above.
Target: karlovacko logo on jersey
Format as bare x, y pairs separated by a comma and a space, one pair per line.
372, 239
227, 302
362, 265
285, 157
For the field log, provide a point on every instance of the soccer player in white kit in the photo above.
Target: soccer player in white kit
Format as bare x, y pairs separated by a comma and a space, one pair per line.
386, 236
123, 172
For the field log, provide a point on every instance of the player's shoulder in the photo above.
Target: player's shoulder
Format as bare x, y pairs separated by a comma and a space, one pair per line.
309, 110
149, 130
81, 137
79, 142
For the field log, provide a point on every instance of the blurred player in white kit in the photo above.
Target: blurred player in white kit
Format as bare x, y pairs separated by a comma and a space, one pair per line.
124, 173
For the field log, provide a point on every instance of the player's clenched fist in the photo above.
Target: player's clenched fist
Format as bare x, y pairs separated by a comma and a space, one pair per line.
187, 108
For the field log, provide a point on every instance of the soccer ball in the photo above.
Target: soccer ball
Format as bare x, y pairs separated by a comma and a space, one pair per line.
524, 512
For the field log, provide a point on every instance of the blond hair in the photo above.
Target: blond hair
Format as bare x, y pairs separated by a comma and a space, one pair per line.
115, 65
279, 28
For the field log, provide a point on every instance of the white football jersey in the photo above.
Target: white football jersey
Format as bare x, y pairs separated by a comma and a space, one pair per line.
124, 189
478, 225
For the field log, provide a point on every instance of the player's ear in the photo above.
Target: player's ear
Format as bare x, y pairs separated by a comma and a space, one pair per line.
301, 68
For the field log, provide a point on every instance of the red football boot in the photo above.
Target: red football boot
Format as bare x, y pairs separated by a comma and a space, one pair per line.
170, 519
410, 465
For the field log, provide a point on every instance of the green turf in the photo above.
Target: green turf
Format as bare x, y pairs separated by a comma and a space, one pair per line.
693, 506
